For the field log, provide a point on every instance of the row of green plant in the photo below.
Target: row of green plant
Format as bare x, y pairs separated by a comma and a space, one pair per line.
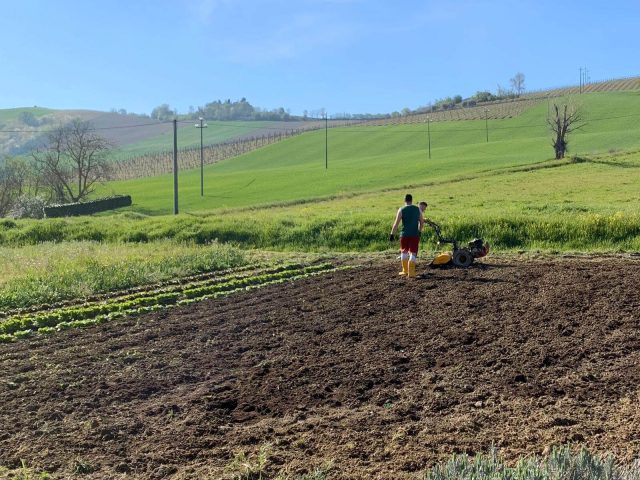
170, 286
24, 325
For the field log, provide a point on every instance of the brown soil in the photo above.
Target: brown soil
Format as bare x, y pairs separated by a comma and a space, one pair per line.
381, 375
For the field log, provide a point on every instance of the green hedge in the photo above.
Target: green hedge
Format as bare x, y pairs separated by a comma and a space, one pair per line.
87, 208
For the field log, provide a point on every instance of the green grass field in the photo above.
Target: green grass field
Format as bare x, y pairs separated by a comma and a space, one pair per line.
369, 159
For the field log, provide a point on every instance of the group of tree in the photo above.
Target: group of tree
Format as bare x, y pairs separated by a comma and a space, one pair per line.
239, 110
481, 96
29, 119
224, 111
65, 168
243, 110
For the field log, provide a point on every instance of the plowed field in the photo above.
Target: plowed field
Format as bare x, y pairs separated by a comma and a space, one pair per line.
380, 375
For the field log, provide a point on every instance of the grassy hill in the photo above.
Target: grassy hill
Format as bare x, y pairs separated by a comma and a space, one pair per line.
508, 190
215, 132
365, 159
18, 135
131, 134
138, 135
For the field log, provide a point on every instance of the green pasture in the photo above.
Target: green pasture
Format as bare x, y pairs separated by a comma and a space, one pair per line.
189, 137
368, 159
576, 204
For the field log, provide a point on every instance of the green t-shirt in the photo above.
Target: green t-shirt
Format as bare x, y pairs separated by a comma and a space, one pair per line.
410, 218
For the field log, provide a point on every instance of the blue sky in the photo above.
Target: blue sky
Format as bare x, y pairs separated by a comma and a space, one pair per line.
351, 56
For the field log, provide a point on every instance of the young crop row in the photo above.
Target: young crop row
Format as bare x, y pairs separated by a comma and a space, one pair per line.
20, 326
164, 287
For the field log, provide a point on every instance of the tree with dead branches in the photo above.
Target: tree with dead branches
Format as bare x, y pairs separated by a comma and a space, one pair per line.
563, 121
73, 161
14, 179
517, 83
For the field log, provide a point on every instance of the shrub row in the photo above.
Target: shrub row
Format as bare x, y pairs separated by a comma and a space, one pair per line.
87, 208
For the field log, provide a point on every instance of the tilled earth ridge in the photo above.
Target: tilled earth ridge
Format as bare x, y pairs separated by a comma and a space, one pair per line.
380, 376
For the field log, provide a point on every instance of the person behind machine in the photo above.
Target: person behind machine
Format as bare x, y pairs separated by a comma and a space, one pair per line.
412, 220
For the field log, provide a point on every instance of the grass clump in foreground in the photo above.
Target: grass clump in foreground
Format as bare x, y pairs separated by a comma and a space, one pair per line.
247, 466
560, 464
23, 473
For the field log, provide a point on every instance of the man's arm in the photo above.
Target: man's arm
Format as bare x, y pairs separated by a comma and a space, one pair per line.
421, 222
396, 223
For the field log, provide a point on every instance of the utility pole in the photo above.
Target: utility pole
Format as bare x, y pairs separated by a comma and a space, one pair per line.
429, 135
548, 107
201, 126
580, 79
326, 141
586, 76
486, 122
175, 166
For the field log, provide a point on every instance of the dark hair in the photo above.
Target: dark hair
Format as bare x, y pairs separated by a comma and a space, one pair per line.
408, 197
423, 203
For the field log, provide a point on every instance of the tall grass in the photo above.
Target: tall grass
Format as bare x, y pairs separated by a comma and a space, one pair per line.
342, 232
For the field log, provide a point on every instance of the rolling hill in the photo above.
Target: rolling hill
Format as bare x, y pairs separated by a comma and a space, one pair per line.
21, 129
374, 158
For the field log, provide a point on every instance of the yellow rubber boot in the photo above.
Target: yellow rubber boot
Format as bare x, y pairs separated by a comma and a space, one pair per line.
412, 269
405, 267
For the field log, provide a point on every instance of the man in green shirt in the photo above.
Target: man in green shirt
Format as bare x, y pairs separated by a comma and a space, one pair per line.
412, 222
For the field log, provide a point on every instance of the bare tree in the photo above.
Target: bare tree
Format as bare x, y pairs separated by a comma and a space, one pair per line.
73, 161
517, 83
563, 121
14, 175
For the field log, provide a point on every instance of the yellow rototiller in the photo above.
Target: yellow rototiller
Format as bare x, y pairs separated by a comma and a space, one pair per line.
459, 256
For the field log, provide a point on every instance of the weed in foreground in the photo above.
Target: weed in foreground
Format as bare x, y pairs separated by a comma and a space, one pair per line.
254, 467
250, 466
23, 473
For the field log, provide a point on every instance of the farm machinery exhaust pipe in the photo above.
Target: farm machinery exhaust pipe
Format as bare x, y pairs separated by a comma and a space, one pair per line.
459, 256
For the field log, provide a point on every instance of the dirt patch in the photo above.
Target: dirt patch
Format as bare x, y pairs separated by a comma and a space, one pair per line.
380, 375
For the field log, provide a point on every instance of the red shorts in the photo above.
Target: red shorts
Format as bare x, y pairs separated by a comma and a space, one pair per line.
409, 244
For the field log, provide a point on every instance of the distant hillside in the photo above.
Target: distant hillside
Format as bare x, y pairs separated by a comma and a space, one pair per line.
613, 85
509, 108
374, 159
215, 133
22, 129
